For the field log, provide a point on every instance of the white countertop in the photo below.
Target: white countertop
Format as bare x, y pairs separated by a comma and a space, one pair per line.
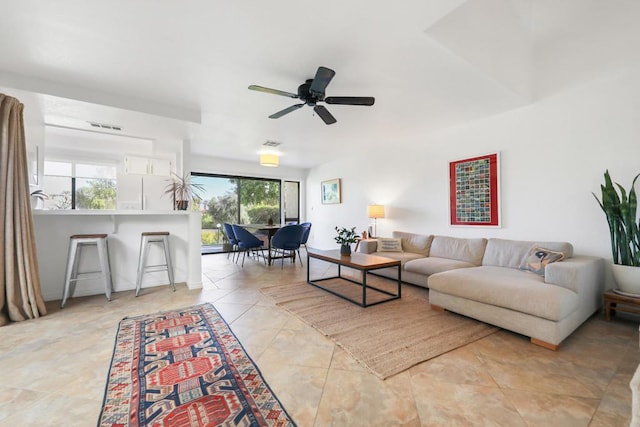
107, 212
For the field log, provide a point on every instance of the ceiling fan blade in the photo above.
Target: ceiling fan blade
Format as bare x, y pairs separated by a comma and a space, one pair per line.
273, 91
321, 80
285, 111
324, 114
350, 100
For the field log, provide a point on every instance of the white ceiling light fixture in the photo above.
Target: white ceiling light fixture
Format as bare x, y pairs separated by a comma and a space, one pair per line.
269, 160
270, 157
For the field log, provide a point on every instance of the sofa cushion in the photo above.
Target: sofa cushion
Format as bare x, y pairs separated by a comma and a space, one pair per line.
416, 243
469, 250
403, 257
511, 253
508, 288
538, 258
432, 265
389, 245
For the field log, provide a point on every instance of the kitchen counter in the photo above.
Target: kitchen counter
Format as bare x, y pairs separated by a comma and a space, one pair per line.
53, 228
106, 212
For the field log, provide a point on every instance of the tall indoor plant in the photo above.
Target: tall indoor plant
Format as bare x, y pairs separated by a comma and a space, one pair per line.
621, 212
182, 190
345, 238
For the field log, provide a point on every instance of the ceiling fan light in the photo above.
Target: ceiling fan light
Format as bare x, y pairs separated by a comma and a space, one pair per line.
269, 160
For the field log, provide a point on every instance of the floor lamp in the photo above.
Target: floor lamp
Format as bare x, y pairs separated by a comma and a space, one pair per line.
375, 212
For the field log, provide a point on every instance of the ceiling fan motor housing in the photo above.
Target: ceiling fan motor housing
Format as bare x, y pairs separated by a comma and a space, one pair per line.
305, 94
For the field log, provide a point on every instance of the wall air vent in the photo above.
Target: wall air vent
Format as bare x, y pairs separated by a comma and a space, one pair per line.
105, 126
272, 144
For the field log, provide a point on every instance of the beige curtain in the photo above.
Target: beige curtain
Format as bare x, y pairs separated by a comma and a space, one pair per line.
21, 295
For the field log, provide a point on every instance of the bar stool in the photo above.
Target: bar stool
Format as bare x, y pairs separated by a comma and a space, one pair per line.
76, 243
146, 239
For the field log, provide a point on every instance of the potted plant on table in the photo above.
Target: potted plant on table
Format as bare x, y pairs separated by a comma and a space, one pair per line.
183, 190
621, 212
345, 238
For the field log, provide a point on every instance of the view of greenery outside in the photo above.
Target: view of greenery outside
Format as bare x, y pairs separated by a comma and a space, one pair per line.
90, 194
259, 201
95, 194
95, 185
236, 201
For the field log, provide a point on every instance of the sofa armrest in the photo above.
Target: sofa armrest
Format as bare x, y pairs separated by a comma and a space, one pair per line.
368, 246
579, 274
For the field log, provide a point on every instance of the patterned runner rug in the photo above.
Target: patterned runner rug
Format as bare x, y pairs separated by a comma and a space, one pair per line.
185, 368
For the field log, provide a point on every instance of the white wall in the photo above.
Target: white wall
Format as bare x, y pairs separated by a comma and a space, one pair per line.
553, 155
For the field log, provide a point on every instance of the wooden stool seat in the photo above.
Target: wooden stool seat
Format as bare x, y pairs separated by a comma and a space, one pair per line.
76, 244
88, 236
146, 239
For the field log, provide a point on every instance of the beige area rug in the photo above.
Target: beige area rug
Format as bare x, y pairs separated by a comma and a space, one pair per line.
387, 338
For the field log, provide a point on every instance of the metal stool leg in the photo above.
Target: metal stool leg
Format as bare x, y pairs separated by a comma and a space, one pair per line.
167, 256
142, 261
69, 274
77, 255
104, 263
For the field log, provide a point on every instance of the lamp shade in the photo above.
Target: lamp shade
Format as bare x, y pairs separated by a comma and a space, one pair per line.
375, 211
270, 160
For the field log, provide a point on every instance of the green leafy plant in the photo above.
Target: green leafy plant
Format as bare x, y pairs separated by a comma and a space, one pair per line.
621, 212
346, 236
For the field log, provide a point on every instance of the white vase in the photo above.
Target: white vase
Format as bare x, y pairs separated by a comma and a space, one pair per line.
628, 278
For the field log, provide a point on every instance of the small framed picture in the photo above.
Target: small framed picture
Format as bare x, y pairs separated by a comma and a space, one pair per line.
330, 192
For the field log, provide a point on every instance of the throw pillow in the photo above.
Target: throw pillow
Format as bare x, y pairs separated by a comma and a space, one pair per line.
539, 258
389, 245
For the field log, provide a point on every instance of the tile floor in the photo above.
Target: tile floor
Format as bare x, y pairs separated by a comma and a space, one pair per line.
53, 369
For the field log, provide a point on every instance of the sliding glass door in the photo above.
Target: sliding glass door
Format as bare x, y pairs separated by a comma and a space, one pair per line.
237, 200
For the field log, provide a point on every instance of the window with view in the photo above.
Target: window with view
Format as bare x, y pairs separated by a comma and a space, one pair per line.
79, 185
241, 200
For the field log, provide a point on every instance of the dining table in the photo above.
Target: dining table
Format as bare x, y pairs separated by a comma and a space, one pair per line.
269, 230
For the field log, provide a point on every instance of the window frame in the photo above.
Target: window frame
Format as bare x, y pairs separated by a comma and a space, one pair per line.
73, 177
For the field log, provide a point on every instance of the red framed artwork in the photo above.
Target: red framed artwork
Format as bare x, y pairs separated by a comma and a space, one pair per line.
473, 191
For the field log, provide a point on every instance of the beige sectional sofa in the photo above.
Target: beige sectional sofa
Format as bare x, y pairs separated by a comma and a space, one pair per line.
483, 279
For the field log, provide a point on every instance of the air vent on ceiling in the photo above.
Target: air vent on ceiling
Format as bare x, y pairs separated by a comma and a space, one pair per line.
104, 126
272, 144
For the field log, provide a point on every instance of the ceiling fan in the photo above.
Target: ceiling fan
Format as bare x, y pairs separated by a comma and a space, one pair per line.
311, 92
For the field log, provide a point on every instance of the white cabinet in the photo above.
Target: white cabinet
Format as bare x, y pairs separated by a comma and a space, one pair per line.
159, 167
136, 165
146, 166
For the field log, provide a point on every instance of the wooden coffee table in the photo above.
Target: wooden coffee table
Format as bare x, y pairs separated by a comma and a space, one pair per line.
359, 261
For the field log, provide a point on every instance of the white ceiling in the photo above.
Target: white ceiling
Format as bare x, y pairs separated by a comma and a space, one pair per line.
179, 70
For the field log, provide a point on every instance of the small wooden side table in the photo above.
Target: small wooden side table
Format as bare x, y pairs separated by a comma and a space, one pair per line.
617, 302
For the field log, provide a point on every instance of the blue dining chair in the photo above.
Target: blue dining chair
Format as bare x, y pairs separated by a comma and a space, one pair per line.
228, 231
305, 234
247, 242
288, 239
